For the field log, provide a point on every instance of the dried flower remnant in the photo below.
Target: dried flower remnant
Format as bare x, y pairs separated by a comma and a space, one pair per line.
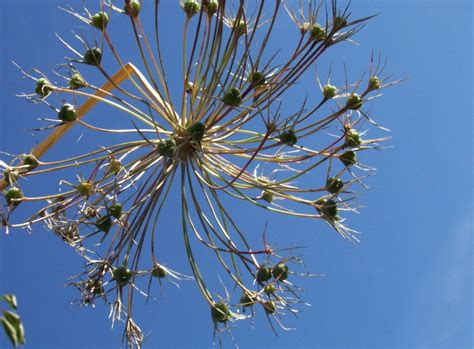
226, 114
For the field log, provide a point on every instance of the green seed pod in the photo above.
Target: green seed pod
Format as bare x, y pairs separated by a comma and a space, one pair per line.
210, 7
247, 300
348, 158
93, 56
196, 131
288, 137
339, 23
104, 223
232, 97
240, 27
334, 185
269, 289
122, 275
133, 9
85, 188
191, 7
352, 138
100, 20
14, 196
76, 81
29, 160
354, 102
328, 208
374, 83
263, 274
220, 312
158, 272
280, 271
167, 147
269, 307
95, 286
114, 165
67, 113
257, 78
115, 210
267, 196
317, 33
43, 87
329, 91
10, 176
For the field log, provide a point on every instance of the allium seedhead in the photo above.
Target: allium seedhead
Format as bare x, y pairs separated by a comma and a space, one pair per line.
10, 176
94, 286
348, 158
30, 161
374, 83
317, 32
100, 20
288, 137
334, 185
352, 138
210, 7
329, 91
247, 299
14, 196
257, 78
191, 7
339, 23
220, 312
196, 131
115, 210
115, 165
85, 188
133, 8
263, 274
76, 81
93, 56
267, 196
354, 102
167, 147
43, 87
328, 208
269, 306
280, 272
104, 223
240, 27
232, 97
122, 275
269, 289
158, 272
67, 113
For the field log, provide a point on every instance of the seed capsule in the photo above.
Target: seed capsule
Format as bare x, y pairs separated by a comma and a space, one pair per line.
95, 286
352, 138
240, 27
247, 300
196, 131
167, 147
232, 97
10, 176
374, 83
334, 185
269, 289
43, 87
288, 137
210, 6
269, 307
104, 223
133, 8
29, 160
220, 312
14, 196
257, 79
317, 33
85, 188
339, 23
100, 20
115, 165
158, 272
280, 271
122, 275
328, 208
67, 113
115, 210
267, 196
263, 274
93, 56
191, 7
76, 81
354, 102
348, 158
329, 91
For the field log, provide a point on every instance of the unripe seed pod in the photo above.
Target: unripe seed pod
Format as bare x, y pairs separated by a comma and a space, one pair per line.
95, 286
196, 131
93, 56
288, 137
348, 158
220, 312
122, 275
339, 23
210, 6
269, 307
328, 208
104, 223
29, 160
263, 274
317, 33
167, 147
334, 185
232, 97
267, 196
76, 81
240, 27
374, 83
100, 20
67, 113
158, 272
114, 165
14, 196
280, 271
257, 78
269, 289
352, 138
43, 87
354, 102
10, 176
133, 9
85, 188
115, 210
191, 7
247, 300
329, 91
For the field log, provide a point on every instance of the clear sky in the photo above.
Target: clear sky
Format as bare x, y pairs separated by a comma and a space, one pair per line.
407, 284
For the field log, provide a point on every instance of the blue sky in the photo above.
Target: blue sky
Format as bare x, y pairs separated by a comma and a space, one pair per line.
407, 284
